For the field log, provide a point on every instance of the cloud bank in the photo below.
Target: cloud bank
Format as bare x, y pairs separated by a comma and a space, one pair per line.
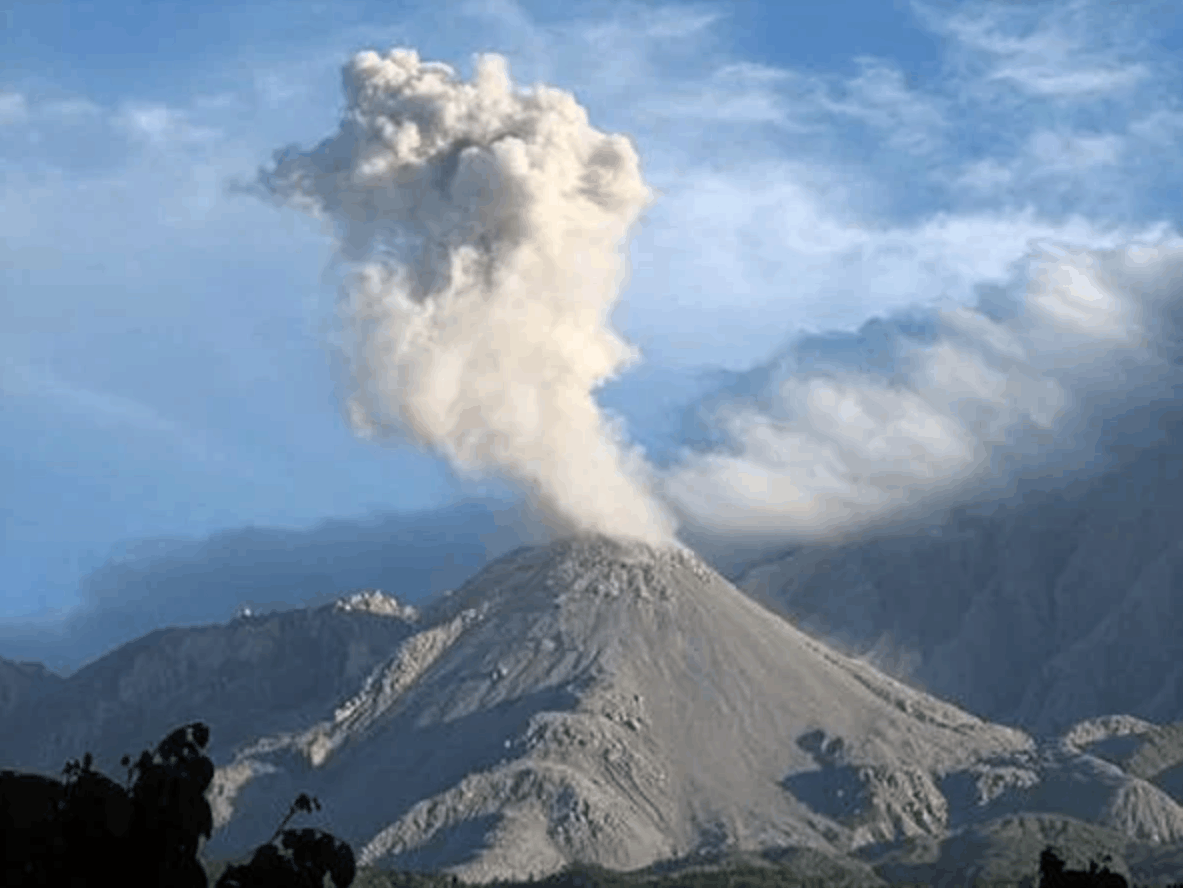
482, 228
914, 412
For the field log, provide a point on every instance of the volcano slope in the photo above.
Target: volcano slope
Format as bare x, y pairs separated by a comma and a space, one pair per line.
609, 702
618, 704
1077, 587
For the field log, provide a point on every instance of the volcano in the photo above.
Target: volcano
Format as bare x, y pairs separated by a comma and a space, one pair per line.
594, 700
607, 701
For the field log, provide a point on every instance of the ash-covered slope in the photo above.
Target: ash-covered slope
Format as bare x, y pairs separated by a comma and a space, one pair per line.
1060, 607
609, 702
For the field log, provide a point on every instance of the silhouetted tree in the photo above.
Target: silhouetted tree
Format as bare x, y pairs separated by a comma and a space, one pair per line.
1053, 875
312, 853
87, 830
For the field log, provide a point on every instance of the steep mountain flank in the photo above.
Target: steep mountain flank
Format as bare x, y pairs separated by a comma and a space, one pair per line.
1059, 607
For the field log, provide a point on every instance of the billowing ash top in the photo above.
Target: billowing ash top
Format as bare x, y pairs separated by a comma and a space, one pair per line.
375, 601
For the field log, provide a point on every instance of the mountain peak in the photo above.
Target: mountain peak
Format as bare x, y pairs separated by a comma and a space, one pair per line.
584, 566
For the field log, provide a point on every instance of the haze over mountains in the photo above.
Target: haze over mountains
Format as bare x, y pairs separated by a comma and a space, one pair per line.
592, 699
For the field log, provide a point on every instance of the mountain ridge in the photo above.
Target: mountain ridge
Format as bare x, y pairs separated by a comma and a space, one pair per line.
594, 699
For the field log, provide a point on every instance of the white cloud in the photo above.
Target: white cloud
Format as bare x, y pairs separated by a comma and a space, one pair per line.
751, 73
162, 126
1065, 56
985, 175
1046, 79
788, 241
1162, 127
879, 96
273, 88
676, 21
1058, 151
729, 97
747, 93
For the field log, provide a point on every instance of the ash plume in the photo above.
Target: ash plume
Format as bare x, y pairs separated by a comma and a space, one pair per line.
483, 231
842, 435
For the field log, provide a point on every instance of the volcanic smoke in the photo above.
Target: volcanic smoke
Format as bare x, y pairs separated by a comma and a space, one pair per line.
484, 230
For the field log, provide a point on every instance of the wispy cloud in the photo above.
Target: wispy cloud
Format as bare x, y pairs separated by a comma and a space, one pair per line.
161, 125
734, 94
1069, 54
1060, 151
678, 21
985, 176
881, 97
1162, 127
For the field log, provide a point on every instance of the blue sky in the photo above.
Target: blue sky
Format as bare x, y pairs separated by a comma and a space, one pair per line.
816, 169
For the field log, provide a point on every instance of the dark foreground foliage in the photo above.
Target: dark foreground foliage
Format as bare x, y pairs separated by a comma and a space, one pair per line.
1053, 875
89, 831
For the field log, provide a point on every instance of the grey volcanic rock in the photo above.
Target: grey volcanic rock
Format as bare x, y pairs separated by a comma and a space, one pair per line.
1153, 753
250, 676
1061, 607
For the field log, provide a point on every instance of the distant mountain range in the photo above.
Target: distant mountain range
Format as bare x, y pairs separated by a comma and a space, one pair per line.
609, 702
